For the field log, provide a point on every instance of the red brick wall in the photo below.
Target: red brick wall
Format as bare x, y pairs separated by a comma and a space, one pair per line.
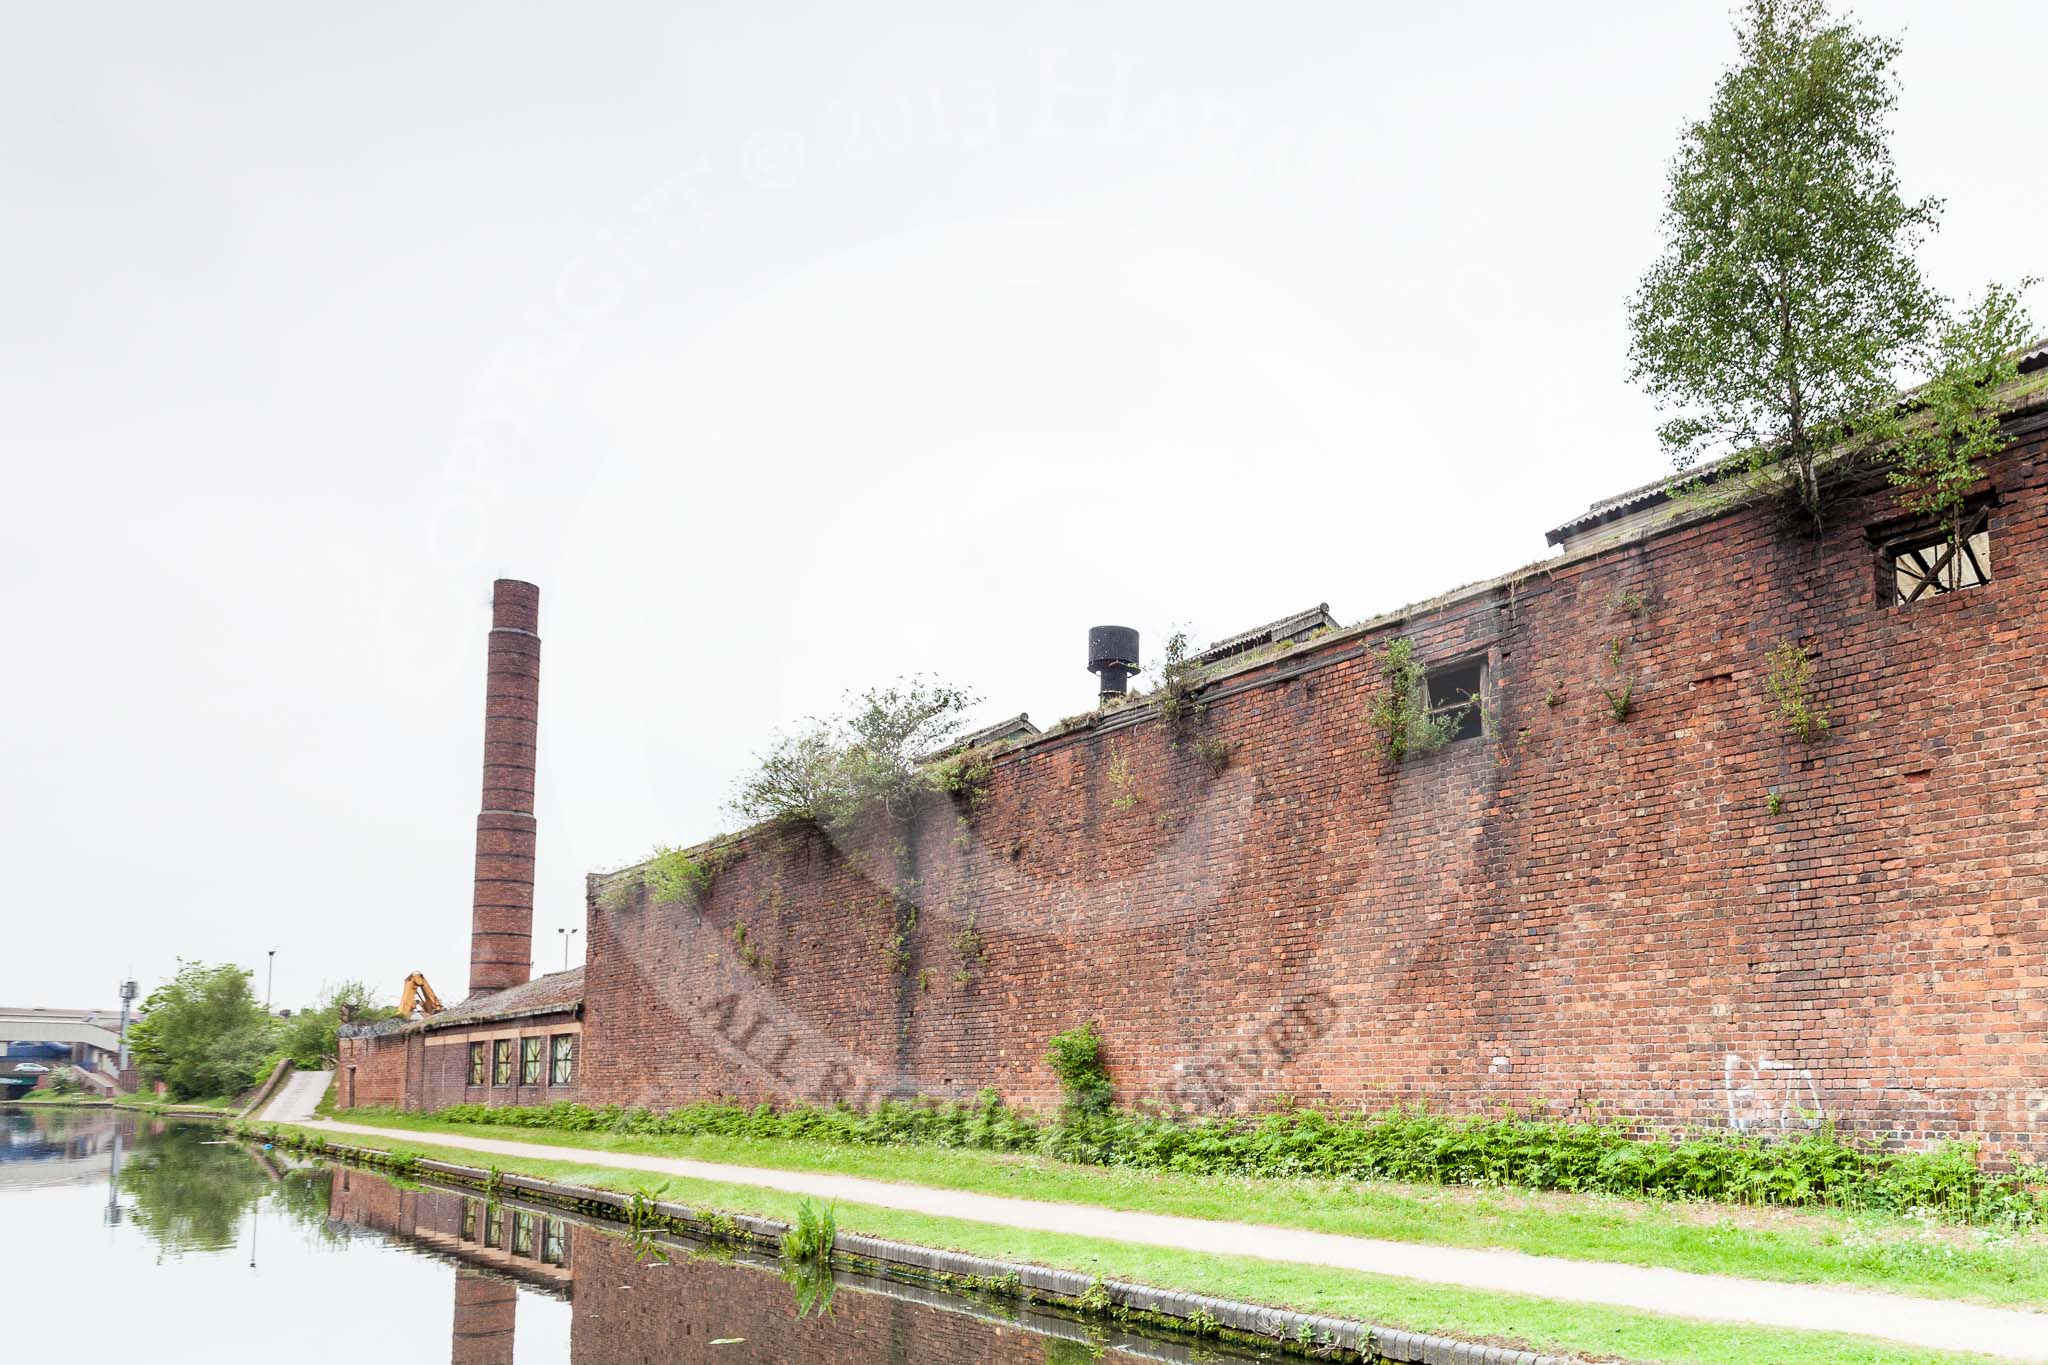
1570, 911
378, 1066
404, 1070
443, 1069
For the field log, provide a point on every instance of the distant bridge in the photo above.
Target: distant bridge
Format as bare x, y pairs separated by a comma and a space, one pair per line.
94, 1028
94, 1035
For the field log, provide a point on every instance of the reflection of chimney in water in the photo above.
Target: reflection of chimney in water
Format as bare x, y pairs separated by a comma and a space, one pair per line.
485, 1320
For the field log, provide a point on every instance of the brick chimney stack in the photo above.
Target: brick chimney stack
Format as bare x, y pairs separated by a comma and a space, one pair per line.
501, 917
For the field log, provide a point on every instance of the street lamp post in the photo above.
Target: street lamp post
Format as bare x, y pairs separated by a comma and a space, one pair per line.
566, 934
269, 980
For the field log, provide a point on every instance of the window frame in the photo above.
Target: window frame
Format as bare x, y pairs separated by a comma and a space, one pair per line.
530, 1059
1474, 704
1940, 574
1893, 539
501, 1061
562, 1059
479, 1064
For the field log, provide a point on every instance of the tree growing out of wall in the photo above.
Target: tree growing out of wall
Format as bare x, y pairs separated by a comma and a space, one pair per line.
1787, 300
1941, 453
1400, 710
869, 758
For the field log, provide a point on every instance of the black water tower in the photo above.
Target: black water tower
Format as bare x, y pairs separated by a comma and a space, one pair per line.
1112, 657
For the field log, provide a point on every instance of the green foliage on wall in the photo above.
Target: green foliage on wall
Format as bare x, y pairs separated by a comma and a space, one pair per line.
1075, 1056
1789, 677
1940, 457
869, 759
1400, 711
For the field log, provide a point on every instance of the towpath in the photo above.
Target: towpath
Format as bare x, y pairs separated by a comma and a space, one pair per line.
1930, 1323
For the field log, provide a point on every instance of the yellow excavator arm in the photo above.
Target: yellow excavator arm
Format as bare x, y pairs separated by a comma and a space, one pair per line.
417, 997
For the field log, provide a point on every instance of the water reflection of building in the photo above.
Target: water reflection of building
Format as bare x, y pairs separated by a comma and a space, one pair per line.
627, 1309
494, 1248
64, 1147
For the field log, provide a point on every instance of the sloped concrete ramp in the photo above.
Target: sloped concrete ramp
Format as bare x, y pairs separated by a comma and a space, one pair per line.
295, 1100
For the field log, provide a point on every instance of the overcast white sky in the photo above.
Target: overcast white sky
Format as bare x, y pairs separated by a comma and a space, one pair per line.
790, 351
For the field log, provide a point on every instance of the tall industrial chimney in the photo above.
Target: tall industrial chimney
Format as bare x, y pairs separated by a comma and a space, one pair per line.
501, 917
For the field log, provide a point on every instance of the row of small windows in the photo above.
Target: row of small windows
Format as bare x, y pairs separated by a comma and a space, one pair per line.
493, 1063
523, 1234
1930, 563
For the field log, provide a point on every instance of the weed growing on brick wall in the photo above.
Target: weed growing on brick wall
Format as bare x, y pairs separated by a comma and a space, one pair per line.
620, 892
965, 777
1814, 1169
752, 954
1620, 689
969, 947
678, 876
1789, 676
1215, 755
1076, 1058
1178, 707
1401, 710
1123, 787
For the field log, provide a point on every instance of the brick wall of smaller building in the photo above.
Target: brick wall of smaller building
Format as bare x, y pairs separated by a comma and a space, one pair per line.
430, 1068
371, 1070
444, 1074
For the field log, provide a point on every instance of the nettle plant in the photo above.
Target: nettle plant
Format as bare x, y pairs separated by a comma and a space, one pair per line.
1400, 713
1789, 677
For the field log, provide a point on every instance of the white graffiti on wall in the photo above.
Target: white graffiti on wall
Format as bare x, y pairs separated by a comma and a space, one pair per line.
1768, 1096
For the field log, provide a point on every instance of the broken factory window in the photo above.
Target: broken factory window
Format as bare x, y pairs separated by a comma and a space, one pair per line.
562, 1064
476, 1064
501, 1062
529, 1061
1940, 561
1453, 693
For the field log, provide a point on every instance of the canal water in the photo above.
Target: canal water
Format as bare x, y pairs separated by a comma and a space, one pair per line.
162, 1237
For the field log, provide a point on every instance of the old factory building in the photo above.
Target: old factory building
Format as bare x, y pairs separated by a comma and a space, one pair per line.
1628, 881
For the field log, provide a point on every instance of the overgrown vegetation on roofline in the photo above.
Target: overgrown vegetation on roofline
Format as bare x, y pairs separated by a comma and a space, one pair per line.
1789, 303
869, 759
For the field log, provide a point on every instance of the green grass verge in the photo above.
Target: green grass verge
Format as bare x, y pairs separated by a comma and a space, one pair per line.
1526, 1322
1901, 1255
